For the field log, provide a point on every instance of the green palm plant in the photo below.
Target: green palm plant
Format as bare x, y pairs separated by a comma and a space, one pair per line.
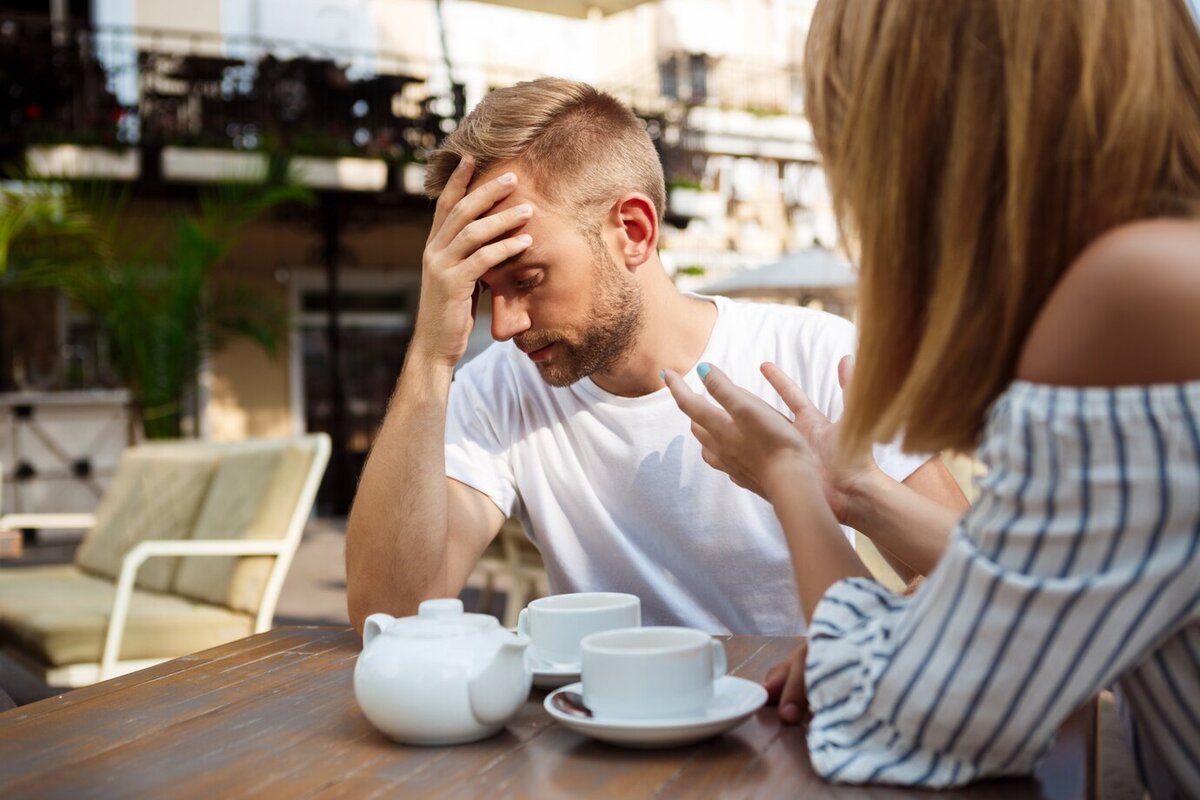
152, 297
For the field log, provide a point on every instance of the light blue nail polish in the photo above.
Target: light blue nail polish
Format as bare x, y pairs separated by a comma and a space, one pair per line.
703, 369
662, 373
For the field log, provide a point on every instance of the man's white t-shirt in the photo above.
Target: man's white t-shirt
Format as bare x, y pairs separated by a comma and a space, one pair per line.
613, 490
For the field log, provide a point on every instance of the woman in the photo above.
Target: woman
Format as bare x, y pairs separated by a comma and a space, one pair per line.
1020, 183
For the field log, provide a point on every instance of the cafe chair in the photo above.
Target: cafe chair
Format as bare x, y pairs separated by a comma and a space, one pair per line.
514, 560
187, 550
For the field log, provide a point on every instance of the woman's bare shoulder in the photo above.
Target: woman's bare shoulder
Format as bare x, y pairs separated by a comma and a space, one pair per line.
1126, 312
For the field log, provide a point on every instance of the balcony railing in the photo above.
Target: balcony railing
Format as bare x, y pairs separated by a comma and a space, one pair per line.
121, 87
155, 89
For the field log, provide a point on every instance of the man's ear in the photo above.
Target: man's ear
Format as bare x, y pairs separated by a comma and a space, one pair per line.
637, 223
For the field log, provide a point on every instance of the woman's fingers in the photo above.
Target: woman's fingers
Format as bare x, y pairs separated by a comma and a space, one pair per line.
845, 370
775, 680
788, 390
731, 396
793, 701
699, 410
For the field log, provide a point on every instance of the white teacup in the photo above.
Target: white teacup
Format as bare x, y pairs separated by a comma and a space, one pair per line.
642, 673
557, 623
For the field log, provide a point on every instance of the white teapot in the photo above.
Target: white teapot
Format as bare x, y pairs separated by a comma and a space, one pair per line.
442, 676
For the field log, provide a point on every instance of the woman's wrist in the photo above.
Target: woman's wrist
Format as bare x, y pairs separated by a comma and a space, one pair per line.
786, 474
862, 497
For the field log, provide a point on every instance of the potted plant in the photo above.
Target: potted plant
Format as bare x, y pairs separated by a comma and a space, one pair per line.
154, 301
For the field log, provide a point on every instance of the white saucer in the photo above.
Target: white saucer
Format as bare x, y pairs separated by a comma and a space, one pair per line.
551, 675
734, 699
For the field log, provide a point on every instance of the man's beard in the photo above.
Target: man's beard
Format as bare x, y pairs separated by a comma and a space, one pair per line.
615, 323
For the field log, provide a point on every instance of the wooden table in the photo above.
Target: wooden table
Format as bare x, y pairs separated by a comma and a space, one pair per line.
274, 715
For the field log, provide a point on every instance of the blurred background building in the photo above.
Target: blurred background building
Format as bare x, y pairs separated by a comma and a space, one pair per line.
167, 97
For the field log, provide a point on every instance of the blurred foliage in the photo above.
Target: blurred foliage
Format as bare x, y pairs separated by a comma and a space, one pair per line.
150, 295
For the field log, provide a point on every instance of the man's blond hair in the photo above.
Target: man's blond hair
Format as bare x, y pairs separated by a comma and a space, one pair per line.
582, 147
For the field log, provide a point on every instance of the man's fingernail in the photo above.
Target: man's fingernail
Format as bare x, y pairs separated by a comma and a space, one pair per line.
662, 373
790, 712
525, 238
508, 177
703, 369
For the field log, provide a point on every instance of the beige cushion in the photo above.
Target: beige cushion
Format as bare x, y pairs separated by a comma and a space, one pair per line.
60, 615
155, 494
253, 496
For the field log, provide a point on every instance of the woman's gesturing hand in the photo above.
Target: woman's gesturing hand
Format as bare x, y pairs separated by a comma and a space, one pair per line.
743, 437
785, 686
839, 478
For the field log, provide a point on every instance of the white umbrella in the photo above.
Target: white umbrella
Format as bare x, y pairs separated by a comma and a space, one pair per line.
580, 9
808, 271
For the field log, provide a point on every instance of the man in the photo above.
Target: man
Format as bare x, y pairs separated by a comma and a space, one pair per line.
549, 197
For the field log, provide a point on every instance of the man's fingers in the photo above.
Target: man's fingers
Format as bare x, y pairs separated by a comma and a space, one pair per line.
476, 293
792, 700
478, 233
788, 390
452, 192
472, 207
495, 253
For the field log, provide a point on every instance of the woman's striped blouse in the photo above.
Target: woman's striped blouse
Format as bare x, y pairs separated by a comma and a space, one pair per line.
1078, 567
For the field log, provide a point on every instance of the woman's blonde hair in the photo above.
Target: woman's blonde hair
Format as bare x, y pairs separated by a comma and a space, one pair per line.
973, 150
583, 147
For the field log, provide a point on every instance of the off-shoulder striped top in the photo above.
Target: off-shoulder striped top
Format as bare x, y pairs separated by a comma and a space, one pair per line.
1078, 567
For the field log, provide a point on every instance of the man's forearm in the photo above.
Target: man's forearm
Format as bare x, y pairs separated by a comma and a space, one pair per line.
911, 524
396, 540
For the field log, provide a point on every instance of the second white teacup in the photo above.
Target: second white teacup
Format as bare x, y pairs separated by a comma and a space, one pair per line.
556, 624
655, 672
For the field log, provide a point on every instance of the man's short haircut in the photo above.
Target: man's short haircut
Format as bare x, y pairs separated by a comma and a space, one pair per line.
582, 147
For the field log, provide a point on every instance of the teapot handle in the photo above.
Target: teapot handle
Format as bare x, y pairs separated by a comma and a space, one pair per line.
375, 625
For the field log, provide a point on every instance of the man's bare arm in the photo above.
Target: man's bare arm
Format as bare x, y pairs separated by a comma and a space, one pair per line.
413, 533
910, 522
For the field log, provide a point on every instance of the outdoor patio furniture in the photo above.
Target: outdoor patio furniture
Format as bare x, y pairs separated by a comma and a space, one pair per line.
188, 549
274, 716
512, 559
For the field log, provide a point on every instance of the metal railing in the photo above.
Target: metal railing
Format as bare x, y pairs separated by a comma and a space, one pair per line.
118, 87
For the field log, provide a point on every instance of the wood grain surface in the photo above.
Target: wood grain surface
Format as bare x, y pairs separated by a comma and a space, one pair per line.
274, 715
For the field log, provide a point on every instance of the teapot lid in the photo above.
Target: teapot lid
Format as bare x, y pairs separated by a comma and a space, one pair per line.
443, 619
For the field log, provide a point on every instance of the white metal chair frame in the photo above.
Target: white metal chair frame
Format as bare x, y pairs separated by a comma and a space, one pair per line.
110, 666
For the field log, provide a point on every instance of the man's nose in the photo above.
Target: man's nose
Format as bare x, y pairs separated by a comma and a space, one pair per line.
509, 318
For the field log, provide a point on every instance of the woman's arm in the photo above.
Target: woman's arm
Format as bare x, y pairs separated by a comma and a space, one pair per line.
909, 528
760, 450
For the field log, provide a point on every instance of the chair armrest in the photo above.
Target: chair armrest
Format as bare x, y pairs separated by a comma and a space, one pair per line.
11, 522
168, 547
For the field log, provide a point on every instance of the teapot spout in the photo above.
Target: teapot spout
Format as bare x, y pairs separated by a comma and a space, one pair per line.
499, 690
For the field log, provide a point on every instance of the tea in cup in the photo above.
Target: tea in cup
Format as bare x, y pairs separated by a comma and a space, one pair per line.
650, 673
556, 624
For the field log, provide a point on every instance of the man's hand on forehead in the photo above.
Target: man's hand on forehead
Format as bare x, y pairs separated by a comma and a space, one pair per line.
472, 232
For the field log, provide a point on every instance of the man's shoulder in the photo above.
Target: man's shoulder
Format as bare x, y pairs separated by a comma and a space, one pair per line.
781, 314
775, 324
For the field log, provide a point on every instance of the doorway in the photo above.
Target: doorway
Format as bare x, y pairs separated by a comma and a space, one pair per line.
376, 311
